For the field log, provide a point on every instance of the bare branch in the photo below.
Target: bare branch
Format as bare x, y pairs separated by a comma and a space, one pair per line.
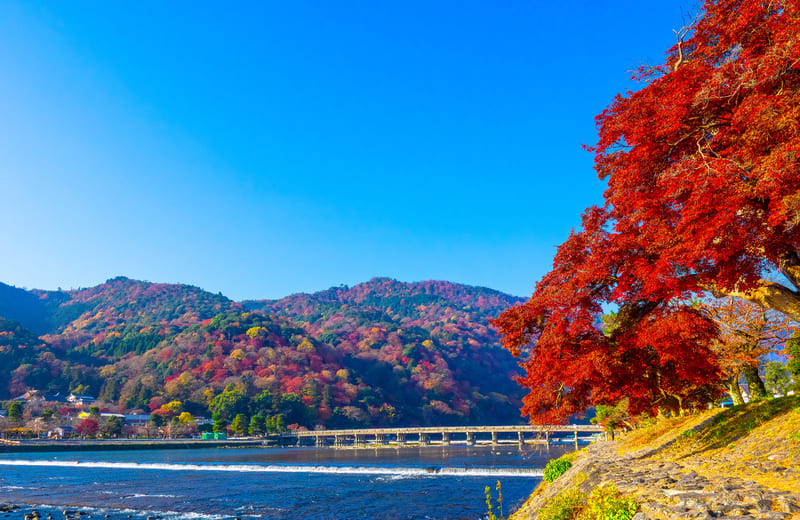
681, 34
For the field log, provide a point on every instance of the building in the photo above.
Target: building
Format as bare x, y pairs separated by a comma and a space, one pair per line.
61, 432
35, 396
136, 420
79, 401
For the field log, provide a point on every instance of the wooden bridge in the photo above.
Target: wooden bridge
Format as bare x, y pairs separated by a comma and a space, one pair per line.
442, 435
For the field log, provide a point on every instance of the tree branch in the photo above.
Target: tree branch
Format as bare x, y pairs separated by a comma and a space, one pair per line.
767, 294
681, 36
789, 266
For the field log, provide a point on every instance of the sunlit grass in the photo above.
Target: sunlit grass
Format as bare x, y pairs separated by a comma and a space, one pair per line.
751, 441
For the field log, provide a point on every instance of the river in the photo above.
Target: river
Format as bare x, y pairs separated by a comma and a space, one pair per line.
271, 483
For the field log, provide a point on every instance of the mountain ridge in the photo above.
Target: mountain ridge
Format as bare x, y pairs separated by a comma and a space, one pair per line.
380, 352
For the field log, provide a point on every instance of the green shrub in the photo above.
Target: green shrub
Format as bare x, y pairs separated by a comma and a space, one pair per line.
605, 503
557, 467
564, 506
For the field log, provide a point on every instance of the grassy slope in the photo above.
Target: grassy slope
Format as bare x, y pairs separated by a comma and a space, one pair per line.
758, 441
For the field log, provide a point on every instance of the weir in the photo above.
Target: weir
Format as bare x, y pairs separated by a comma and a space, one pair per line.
443, 436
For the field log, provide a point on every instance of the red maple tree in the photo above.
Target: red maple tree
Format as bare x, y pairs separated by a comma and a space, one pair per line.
703, 169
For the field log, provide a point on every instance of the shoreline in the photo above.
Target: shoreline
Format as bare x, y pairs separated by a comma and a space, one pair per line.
124, 444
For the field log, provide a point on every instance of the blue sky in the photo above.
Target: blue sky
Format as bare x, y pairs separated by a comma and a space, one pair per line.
266, 148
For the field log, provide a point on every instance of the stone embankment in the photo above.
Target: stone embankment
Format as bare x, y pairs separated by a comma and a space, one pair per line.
737, 464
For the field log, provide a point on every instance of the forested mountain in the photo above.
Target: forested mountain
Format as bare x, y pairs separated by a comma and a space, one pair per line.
381, 352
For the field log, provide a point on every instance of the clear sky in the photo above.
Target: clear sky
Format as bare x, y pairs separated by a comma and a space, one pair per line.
266, 148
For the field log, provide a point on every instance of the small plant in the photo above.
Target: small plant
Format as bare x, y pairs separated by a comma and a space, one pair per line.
605, 503
556, 467
489, 514
564, 506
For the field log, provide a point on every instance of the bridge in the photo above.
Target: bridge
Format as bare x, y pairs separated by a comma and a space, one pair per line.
442, 435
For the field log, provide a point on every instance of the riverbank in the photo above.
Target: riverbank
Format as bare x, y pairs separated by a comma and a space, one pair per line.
741, 462
122, 444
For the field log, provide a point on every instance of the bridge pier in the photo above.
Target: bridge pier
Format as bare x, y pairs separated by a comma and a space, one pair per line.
431, 435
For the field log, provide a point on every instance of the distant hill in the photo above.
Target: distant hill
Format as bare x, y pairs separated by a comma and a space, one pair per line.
381, 352
38, 311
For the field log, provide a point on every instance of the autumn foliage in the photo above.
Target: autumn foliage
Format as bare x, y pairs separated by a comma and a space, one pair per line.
703, 170
379, 353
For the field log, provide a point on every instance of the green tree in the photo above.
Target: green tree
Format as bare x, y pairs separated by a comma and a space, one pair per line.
262, 403
279, 424
776, 377
220, 423
793, 351
239, 424
228, 404
112, 427
15, 412
257, 425
292, 408
157, 420
94, 412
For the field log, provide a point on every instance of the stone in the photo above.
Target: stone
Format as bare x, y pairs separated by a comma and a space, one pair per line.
673, 492
729, 509
776, 515
639, 516
787, 505
764, 505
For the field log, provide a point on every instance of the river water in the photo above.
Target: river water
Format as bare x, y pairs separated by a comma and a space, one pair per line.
269, 483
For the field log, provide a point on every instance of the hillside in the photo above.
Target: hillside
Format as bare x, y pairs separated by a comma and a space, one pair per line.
741, 462
382, 352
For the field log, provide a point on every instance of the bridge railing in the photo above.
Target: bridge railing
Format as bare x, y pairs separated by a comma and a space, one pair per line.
449, 429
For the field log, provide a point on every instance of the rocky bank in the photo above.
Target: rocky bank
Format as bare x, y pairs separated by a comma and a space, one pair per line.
739, 463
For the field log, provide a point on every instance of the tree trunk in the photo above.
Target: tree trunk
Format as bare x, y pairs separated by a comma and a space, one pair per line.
768, 294
734, 390
754, 382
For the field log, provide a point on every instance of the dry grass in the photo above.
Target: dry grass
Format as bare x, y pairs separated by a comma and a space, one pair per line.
758, 441
659, 432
